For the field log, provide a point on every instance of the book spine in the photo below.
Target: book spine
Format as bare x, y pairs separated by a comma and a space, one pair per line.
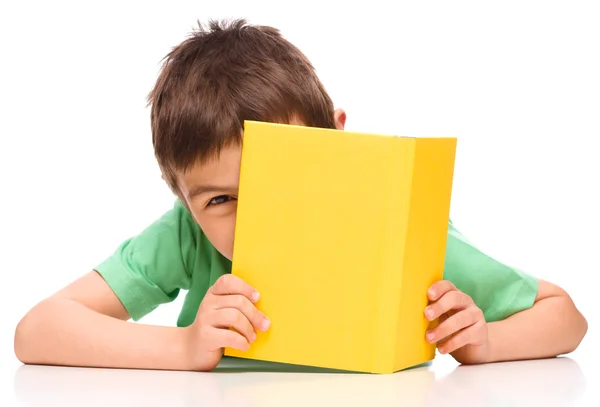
425, 243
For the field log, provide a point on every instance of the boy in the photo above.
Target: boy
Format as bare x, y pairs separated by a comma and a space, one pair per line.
212, 82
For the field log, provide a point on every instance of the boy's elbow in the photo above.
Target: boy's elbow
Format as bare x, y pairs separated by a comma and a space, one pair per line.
581, 330
564, 310
578, 326
23, 335
26, 335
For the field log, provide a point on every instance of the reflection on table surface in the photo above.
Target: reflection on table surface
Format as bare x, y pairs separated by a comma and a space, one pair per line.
551, 382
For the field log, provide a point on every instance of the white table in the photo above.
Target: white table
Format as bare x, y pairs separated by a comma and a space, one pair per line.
551, 382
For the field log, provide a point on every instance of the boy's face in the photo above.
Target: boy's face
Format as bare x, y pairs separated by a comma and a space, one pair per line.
210, 191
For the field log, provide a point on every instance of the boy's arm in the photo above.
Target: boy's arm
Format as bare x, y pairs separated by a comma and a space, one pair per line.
551, 327
85, 324
490, 311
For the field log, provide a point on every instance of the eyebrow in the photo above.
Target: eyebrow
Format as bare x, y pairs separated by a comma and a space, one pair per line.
204, 189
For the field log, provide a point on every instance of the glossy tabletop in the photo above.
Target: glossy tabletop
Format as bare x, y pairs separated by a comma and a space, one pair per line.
551, 382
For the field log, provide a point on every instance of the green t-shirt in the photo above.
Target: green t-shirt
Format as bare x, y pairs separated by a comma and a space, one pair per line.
173, 254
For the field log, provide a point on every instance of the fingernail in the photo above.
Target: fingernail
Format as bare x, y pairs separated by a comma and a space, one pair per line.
430, 335
255, 296
429, 312
253, 337
265, 324
431, 292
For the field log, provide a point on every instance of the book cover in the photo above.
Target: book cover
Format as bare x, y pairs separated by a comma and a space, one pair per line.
342, 233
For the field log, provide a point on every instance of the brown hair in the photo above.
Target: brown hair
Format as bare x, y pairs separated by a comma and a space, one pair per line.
220, 76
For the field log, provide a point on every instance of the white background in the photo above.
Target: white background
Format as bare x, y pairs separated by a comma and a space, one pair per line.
516, 81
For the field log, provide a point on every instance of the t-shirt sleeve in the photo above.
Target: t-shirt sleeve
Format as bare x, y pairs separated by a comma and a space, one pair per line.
498, 289
150, 269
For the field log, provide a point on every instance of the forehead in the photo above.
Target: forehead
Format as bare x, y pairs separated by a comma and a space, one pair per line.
221, 170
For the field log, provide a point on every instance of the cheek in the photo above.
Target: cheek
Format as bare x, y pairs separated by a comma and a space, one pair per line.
220, 232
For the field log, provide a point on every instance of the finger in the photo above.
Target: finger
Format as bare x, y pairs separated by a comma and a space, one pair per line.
233, 318
226, 338
468, 336
230, 284
452, 300
243, 304
439, 288
454, 323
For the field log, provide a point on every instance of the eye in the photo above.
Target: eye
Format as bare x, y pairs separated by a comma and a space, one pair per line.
218, 200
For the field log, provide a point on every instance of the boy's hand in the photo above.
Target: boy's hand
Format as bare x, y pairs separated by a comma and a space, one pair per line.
229, 303
462, 329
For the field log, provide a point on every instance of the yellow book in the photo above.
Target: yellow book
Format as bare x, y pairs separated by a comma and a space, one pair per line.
342, 233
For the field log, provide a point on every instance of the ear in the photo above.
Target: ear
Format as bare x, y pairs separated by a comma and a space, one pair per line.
339, 116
